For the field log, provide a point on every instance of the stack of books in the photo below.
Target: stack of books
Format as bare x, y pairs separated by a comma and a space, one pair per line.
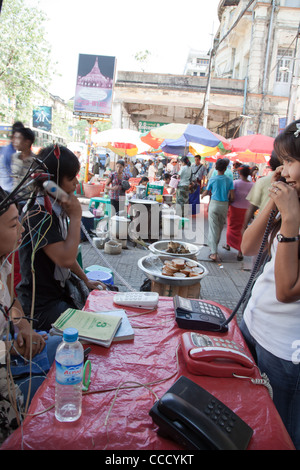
95, 327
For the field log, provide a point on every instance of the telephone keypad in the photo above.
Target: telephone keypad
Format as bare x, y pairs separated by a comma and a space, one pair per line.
221, 415
228, 344
204, 308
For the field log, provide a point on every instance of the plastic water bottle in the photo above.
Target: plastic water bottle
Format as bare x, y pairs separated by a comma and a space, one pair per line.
69, 372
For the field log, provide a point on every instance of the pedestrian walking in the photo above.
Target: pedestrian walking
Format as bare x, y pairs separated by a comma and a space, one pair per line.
220, 188
237, 211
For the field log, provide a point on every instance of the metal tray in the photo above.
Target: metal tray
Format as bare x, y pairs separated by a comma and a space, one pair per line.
152, 265
159, 248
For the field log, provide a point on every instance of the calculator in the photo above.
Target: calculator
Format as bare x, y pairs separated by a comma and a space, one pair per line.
199, 315
137, 299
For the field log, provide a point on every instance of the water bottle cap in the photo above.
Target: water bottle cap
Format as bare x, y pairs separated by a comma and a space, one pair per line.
70, 335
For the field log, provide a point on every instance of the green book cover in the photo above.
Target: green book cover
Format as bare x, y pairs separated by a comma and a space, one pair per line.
94, 327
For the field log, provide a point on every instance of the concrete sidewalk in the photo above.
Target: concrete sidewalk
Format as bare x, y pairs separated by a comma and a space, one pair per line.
224, 283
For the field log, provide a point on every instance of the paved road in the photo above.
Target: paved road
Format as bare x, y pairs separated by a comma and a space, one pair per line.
224, 283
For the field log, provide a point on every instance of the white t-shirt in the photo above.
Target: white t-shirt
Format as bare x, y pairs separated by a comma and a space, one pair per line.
274, 325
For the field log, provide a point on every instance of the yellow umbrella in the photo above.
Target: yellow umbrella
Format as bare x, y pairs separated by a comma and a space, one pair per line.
203, 150
123, 142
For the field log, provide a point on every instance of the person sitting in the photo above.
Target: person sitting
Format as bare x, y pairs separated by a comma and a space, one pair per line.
48, 254
167, 189
144, 181
18, 340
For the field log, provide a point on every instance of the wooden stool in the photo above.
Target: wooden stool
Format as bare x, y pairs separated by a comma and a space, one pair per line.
166, 290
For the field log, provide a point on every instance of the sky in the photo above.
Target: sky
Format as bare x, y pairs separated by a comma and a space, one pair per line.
168, 29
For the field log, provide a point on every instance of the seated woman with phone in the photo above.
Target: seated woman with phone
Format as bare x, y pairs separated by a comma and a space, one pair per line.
48, 254
271, 323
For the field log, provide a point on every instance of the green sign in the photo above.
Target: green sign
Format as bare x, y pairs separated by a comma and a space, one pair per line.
146, 126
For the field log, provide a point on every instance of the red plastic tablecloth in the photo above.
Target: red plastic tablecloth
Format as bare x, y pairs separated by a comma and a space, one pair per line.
151, 358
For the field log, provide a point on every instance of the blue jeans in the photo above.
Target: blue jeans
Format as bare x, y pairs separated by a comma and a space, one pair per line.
37, 379
284, 378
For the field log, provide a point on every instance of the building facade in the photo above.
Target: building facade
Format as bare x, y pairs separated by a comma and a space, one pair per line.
257, 41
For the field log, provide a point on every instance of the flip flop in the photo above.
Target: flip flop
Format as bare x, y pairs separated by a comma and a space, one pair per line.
212, 258
226, 247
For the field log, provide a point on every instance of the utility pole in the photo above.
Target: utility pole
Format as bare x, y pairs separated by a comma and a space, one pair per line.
207, 94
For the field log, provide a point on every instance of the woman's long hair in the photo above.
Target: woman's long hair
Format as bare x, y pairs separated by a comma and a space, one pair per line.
286, 144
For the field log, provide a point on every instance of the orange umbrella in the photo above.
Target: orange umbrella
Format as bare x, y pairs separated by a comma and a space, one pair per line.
248, 157
256, 143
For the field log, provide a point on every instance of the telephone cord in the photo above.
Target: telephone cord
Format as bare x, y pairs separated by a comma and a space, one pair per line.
264, 380
254, 270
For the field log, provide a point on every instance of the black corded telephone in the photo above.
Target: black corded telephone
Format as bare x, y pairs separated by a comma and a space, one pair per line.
197, 420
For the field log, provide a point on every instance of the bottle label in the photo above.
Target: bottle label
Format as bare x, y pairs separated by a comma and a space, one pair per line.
68, 375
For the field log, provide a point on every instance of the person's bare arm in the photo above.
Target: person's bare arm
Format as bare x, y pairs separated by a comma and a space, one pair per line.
64, 253
287, 264
253, 235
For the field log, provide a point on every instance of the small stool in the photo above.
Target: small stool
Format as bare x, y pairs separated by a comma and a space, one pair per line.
96, 267
184, 221
101, 200
102, 276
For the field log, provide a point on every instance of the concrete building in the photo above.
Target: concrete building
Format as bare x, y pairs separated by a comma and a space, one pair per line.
197, 63
257, 41
250, 86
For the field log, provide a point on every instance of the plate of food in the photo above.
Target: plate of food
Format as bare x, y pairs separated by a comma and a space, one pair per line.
172, 271
174, 248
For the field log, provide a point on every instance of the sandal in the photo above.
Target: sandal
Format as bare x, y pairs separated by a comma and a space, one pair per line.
239, 257
226, 247
213, 257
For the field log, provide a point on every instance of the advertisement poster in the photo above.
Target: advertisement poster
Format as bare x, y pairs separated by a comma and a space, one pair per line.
94, 86
42, 118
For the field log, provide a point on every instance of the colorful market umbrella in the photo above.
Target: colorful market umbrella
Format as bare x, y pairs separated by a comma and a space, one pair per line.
123, 142
248, 157
175, 138
256, 143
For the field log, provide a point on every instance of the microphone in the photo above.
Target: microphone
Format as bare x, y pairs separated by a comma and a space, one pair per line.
41, 176
55, 191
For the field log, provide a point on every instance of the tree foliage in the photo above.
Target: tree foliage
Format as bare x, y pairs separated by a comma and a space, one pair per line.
25, 63
142, 58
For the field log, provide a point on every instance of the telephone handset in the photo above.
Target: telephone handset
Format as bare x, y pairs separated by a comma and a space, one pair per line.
215, 357
196, 419
192, 314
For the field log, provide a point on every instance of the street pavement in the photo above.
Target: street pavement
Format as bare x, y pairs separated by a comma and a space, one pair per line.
224, 283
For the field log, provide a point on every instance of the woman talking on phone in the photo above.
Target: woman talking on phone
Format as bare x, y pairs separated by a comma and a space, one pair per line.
271, 323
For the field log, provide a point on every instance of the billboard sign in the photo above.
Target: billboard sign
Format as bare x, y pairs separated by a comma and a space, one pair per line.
42, 118
94, 85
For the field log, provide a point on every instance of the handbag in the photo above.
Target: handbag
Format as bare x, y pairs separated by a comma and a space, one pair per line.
77, 291
125, 185
194, 184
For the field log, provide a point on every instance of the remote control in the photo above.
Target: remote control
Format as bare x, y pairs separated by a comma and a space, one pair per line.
55, 191
137, 299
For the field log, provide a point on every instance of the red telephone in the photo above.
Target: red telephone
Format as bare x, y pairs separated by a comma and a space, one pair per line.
216, 357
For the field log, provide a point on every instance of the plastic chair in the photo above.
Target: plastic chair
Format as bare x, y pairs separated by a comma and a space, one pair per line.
101, 200
94, 267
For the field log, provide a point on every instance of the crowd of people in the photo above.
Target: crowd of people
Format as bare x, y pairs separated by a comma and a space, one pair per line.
40, 240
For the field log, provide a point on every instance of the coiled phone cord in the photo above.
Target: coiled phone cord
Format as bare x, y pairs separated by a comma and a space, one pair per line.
255, 268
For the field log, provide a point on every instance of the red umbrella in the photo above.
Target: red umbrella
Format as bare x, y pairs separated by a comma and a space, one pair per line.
248, 157
256, 143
